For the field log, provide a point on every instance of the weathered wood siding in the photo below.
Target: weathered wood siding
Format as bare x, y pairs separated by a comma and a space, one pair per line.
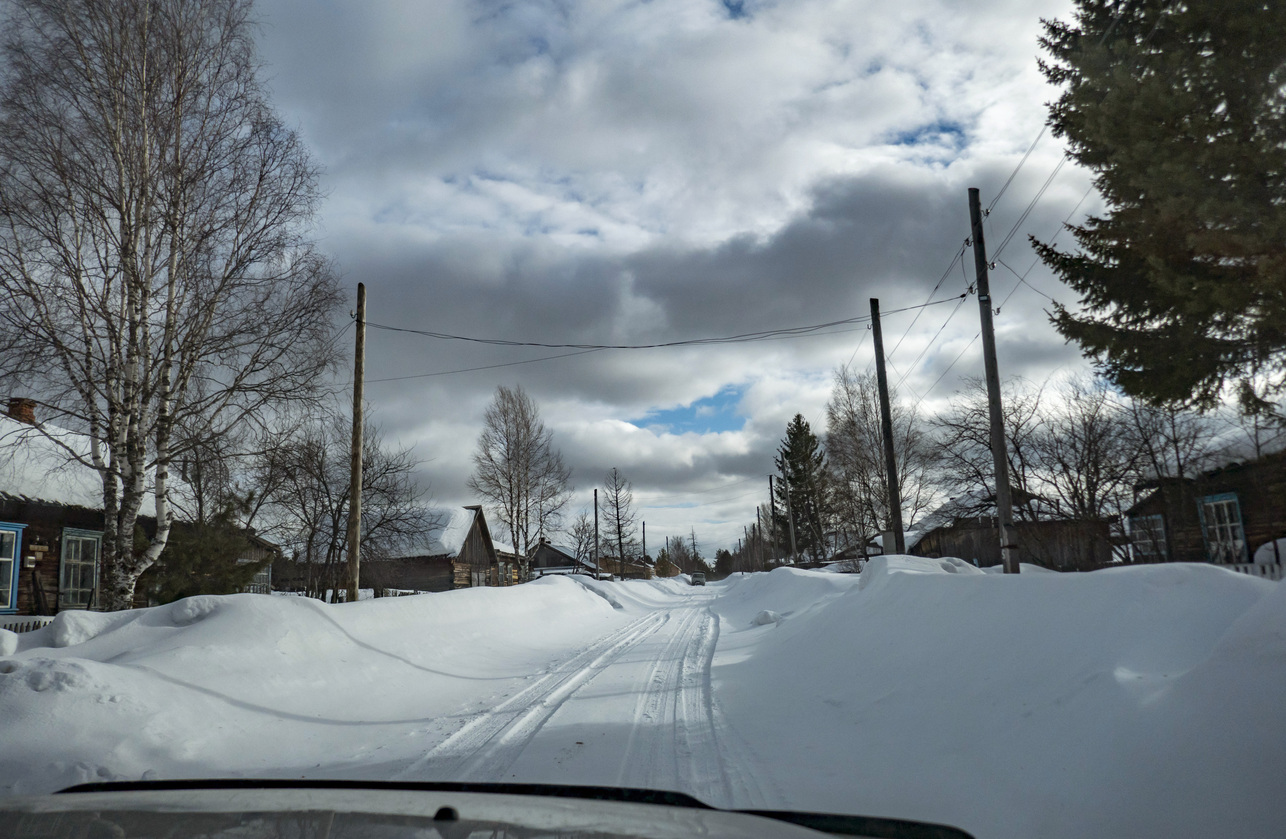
42, 543
1058, 545
1260, 487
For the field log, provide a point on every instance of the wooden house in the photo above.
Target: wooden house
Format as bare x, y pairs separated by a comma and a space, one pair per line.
550, 559
1234, 516
459, 554
967, 528
625, 569
51, 521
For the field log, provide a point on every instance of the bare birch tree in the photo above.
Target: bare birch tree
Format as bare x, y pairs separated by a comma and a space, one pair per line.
517, 470
855, 451
154, 217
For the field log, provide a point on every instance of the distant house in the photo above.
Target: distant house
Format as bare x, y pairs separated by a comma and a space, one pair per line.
627, 569
1233, 516
550, 559
461, 554
967, 528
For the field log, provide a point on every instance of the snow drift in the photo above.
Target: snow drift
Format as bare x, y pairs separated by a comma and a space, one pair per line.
1137, 701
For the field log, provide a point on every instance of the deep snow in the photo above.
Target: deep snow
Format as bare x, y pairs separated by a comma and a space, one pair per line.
1138, 701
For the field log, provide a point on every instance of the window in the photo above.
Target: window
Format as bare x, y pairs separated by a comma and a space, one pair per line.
10, 548
261, 582
1221, 529
78, 579
1147, 538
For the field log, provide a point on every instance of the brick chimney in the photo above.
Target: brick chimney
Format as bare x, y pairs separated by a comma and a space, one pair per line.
22, 409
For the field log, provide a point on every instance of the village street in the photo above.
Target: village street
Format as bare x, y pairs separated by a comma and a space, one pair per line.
921, 688
633, 708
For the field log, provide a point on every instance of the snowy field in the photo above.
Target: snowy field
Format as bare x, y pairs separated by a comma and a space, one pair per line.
1135, 702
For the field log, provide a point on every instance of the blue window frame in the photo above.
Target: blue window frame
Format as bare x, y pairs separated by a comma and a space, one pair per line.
1222, 530
10, 562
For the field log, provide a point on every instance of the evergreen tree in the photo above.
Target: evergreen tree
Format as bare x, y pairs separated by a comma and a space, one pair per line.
802, 465
201, 558
1179, 110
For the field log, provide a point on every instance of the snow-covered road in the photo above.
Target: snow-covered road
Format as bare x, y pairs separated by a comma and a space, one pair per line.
632, 708
1142, 702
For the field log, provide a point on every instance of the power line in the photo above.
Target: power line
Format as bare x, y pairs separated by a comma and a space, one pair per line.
931, 342
938, 285
937, 381
1040, 193
484, 367
729, 339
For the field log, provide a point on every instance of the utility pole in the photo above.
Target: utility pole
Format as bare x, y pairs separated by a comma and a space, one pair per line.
596, 529
772, 519
886, 428
999, 449
645, 541
759, 526
790, 520
355, 463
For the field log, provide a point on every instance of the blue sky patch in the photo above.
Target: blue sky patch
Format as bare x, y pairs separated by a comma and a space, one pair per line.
736, 8
941, 131
704, 416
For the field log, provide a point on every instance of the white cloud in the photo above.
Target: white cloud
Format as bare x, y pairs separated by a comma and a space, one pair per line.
566, 171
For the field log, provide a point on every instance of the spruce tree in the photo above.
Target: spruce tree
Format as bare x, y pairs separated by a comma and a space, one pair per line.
802, 464
1179, 110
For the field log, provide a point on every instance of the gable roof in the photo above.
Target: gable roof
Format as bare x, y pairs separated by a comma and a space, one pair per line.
35, 465
448, 536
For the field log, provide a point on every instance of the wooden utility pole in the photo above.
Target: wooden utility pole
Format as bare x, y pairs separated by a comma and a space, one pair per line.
355, 463
886, 429
772, 519
999, 448
790, 520
645, 541
596, 529
759, 527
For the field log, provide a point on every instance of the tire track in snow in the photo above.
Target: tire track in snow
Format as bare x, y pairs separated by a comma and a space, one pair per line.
650, 743
488, 744
702, 763
675, 742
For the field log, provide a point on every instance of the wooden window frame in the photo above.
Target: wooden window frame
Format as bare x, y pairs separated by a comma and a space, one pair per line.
9, 582
70, 535
1213, 533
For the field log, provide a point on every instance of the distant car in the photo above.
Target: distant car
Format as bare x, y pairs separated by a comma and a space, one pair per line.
698, 579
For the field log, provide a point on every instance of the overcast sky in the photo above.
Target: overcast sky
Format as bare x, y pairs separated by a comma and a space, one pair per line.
635, 171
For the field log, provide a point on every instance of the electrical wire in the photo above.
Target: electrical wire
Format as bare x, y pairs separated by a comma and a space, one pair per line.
729, 339
483, 367
938, 285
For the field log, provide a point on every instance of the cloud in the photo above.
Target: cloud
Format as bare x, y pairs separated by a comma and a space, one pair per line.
558, 171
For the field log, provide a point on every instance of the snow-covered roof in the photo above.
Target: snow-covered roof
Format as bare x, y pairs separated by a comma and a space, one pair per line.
447, 536
35, 465
450, 539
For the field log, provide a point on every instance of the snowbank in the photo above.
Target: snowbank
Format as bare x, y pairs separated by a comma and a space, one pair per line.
1136, 701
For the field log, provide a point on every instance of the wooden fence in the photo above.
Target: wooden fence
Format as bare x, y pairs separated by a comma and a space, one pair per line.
24, 623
